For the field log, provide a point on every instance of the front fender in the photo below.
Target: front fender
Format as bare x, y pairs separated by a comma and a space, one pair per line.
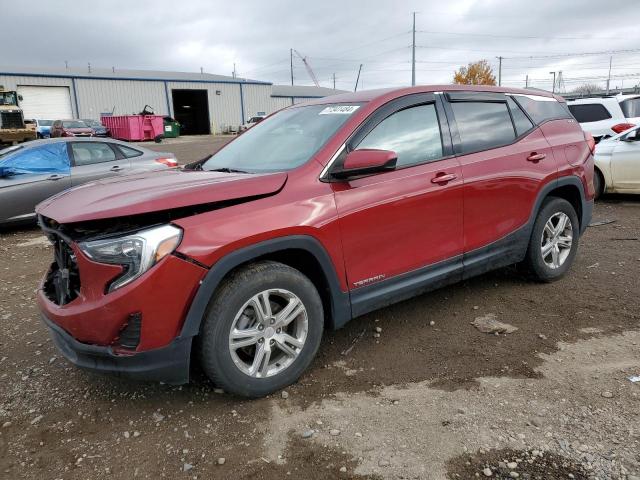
340, 303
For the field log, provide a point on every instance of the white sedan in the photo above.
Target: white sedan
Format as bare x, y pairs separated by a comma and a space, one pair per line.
618, 163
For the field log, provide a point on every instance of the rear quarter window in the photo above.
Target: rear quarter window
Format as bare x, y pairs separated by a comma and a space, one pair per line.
631, 107
589, 112
129, 152
541, 108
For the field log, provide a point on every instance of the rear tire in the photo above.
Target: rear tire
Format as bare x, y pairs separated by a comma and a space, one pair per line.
250, 344
598, 184
554, 240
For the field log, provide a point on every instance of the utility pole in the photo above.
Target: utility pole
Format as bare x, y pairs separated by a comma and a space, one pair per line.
553, 87
234, 69
413, 53
499, 71
526, 82
358, 78
291, 58
334, 80
609, 76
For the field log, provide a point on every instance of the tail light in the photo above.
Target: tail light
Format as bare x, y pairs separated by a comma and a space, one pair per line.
169, 162
590, 141
621, 127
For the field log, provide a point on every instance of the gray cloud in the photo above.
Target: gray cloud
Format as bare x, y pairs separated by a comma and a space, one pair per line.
336, 36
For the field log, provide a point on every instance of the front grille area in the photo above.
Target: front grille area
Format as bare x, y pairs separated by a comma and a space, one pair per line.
62, 284
11, 120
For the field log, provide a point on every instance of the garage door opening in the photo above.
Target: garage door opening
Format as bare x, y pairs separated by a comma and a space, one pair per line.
191, 109
45, 103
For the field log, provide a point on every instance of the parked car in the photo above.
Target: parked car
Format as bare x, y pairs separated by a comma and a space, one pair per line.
605, 116
617, 163
252, 122
31, 172
70, 128
320, 213
99, 130
43, 128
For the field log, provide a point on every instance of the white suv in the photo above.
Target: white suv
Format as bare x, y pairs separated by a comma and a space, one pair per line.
606, 116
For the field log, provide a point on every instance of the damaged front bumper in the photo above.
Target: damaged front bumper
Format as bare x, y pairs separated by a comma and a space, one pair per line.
169, 364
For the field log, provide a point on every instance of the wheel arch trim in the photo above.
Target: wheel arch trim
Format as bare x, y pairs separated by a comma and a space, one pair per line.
340, 302
584, 216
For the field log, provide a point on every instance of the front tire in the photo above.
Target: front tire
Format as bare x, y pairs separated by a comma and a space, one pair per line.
262, 330
554, 240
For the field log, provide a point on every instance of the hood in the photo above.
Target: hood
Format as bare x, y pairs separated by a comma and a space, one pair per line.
155, 192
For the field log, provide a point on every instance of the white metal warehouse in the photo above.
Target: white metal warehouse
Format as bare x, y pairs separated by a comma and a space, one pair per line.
202, 102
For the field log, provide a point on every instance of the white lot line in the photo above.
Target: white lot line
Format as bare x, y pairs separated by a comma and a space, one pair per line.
411, 431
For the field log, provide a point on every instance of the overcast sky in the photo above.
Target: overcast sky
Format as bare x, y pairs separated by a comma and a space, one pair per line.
336, 36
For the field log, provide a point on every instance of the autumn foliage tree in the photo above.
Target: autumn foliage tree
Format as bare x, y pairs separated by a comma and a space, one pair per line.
476, 73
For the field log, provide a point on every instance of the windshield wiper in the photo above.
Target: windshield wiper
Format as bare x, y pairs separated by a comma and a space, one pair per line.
227, 170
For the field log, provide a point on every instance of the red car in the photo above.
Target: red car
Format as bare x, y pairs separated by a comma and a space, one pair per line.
70, 128
319, 214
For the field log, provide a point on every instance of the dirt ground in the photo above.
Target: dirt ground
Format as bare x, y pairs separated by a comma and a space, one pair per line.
422, 400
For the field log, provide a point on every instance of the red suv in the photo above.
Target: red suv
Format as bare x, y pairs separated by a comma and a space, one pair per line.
321, 213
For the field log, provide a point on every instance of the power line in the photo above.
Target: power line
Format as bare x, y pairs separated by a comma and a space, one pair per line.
581, 54
530, 37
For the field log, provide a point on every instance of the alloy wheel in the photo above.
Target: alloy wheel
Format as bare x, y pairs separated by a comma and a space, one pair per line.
268, 333
557, 239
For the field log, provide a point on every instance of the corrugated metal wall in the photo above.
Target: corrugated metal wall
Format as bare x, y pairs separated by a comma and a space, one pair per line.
123, 97
96, 96
257, 98
11, 82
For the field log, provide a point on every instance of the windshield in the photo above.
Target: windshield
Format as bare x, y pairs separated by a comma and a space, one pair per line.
6, 151
631, 107
73, 124
8, 98
92, 123
45, 123
283, 141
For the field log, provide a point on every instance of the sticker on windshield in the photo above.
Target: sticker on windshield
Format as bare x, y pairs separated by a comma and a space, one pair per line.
339, 110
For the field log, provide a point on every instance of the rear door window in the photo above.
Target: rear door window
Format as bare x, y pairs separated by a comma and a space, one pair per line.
589, 112
90, 153
520, 120
483, 125
413, 133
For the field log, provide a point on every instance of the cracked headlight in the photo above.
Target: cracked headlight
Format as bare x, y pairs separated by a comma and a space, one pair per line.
137, 253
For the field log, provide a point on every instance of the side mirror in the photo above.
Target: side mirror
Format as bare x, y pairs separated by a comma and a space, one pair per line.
20, 98
366, 162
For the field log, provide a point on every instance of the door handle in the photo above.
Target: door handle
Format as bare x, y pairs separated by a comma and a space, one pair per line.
116, 168
444, 178
536, 157
54, 177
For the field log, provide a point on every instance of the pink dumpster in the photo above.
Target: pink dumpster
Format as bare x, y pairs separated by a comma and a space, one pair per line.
135, 127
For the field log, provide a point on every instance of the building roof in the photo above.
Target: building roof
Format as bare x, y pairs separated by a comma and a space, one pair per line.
303, 91
122, 74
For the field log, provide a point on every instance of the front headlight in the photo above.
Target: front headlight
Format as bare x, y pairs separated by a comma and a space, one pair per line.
137, 253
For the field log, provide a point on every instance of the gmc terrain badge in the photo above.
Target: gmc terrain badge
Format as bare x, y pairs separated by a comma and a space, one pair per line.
369, 280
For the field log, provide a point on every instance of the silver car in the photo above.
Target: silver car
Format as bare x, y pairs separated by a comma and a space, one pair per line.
34, 171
